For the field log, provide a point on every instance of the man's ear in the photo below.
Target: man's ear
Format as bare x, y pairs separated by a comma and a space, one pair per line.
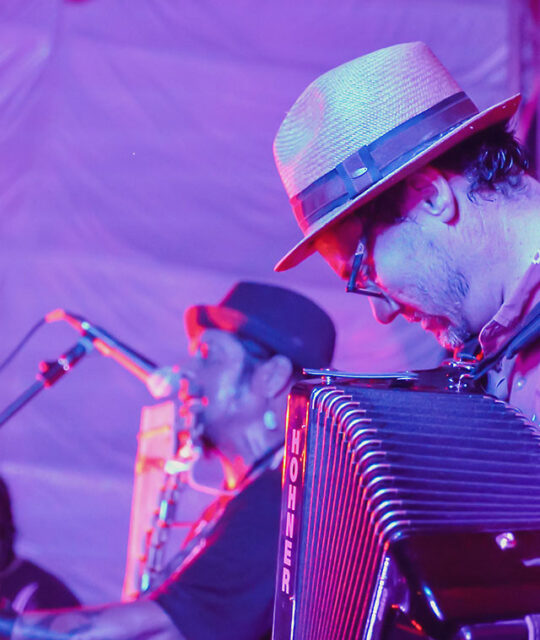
433, 193
272, 377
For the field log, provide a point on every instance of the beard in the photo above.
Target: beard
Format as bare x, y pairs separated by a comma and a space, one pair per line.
200, 433
442, 293
453, 336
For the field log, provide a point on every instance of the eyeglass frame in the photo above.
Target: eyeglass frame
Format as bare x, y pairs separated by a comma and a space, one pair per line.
358, 265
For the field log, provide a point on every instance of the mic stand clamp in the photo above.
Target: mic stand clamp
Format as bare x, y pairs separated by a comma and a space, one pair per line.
50, 372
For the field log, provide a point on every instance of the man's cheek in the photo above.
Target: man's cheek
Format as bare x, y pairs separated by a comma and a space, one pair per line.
226, 390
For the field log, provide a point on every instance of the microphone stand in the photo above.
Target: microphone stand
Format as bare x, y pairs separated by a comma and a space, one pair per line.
50, 372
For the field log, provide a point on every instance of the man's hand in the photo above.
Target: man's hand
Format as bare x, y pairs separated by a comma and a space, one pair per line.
140, 620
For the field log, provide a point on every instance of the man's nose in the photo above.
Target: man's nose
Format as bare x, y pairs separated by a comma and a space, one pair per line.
384, 309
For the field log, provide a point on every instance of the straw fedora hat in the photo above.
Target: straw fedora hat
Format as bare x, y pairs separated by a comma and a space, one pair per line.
364, 126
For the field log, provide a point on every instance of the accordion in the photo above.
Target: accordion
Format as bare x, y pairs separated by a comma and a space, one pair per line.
407, 511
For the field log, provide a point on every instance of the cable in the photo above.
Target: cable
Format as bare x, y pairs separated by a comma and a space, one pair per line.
21, 344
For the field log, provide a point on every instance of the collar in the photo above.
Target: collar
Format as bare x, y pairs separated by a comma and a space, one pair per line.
269, 460
526, 294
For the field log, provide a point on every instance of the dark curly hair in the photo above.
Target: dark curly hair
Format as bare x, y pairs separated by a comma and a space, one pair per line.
493, 161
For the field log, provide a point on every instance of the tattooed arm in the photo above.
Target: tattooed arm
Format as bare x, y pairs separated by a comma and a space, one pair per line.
140, 620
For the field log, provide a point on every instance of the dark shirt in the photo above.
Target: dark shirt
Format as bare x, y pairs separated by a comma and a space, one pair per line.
227, 591
28, 587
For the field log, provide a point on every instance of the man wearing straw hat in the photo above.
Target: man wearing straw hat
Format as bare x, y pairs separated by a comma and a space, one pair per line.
422, 203
245, 353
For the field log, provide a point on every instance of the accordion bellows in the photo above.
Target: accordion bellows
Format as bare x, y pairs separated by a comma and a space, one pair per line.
396, 501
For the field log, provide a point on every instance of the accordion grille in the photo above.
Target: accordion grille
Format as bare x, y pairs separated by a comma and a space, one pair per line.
366, 467
332, 540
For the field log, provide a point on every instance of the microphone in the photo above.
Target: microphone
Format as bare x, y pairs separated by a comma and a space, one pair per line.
164, 382
160, 382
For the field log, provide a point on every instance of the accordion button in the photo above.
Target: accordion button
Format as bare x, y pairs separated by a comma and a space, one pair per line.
506, 540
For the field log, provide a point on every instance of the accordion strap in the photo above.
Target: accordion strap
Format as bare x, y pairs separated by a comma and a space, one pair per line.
526, 334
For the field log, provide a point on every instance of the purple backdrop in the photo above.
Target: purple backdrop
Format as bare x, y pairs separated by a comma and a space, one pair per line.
136, 177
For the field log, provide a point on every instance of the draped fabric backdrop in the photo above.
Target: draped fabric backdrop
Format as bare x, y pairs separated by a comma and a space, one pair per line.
136, 178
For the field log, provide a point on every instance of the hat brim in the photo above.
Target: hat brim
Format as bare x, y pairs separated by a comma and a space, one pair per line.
497, 113
201, 317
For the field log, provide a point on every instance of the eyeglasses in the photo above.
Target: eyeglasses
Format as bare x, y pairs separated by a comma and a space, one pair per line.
360, 271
